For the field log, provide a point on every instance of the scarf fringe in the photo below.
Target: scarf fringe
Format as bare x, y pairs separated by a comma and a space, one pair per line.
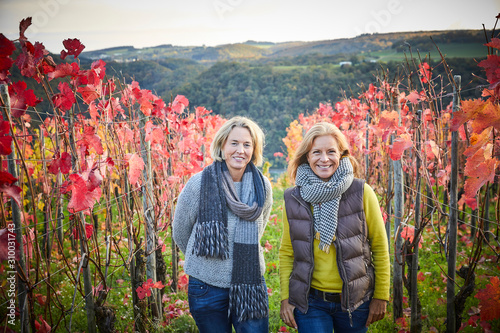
211, 240
324, 247
248, 301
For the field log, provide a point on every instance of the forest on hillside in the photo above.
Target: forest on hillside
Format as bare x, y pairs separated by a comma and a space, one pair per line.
276, 92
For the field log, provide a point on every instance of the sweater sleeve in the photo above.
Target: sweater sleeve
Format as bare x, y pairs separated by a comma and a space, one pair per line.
378, 241
186, 212
285, 257
268, 205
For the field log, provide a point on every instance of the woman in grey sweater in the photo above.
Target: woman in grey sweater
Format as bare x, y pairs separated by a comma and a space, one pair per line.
219, 220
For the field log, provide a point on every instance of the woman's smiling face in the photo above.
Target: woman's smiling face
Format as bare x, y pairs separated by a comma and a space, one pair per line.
324, 156
238, 151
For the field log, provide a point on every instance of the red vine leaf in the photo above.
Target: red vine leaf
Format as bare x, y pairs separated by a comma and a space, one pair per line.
478, 140
268, 246
89, 230
388, 123
6, 49
65, 99
23, 25
491, 65
489, 300
144, 98
8, 188
89, 93
64, 69
495, 42
183, 282
42, 326
482, 113
85, 191
466, 112
425, 72
41, 299
91, 139
201, 111
125, 135
154, 134
432, 150
60, 162
489, 116
142, 292
97, 72
399, 145
413, 97
5, 237
179, 104
480, 169
5, 138
48, 65
74, 47
136, 165
94, 114
21, 98
30, 59
145, 289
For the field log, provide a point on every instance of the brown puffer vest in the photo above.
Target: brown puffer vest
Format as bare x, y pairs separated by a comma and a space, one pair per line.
353, 250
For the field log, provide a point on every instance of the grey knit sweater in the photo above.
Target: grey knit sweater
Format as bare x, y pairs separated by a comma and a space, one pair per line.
215, 272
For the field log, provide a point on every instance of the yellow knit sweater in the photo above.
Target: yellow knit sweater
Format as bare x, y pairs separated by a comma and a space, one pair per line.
325, 275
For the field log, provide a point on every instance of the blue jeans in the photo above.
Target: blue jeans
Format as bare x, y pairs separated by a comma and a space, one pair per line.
209, 307
327, 317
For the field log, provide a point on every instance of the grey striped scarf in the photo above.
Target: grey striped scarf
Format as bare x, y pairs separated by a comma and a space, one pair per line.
247, 294
325, 198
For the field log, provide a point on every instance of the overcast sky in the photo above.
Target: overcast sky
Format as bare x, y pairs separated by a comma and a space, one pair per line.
140, 23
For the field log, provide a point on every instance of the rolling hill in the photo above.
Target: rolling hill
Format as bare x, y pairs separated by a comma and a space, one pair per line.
369, 45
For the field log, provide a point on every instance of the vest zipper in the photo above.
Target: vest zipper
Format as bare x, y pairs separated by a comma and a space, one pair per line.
312, 246
346, 283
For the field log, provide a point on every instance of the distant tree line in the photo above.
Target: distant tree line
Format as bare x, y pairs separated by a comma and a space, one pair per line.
425, 43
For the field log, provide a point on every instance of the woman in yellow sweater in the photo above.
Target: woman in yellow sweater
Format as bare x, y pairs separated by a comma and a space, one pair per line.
334, 258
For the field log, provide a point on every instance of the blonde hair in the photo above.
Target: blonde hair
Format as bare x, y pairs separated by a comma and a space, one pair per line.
305, 146
223, 133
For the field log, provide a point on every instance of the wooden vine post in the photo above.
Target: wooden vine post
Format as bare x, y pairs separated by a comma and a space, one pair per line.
173, 245
59, 181
416, 322
452, 224
149, 220
388, 204
22, 290
397, 167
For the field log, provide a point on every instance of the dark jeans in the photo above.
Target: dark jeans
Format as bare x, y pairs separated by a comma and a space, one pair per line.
326, 317
209, 307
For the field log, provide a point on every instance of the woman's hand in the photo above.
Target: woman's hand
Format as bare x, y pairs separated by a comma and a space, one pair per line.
286, 313
378, 308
